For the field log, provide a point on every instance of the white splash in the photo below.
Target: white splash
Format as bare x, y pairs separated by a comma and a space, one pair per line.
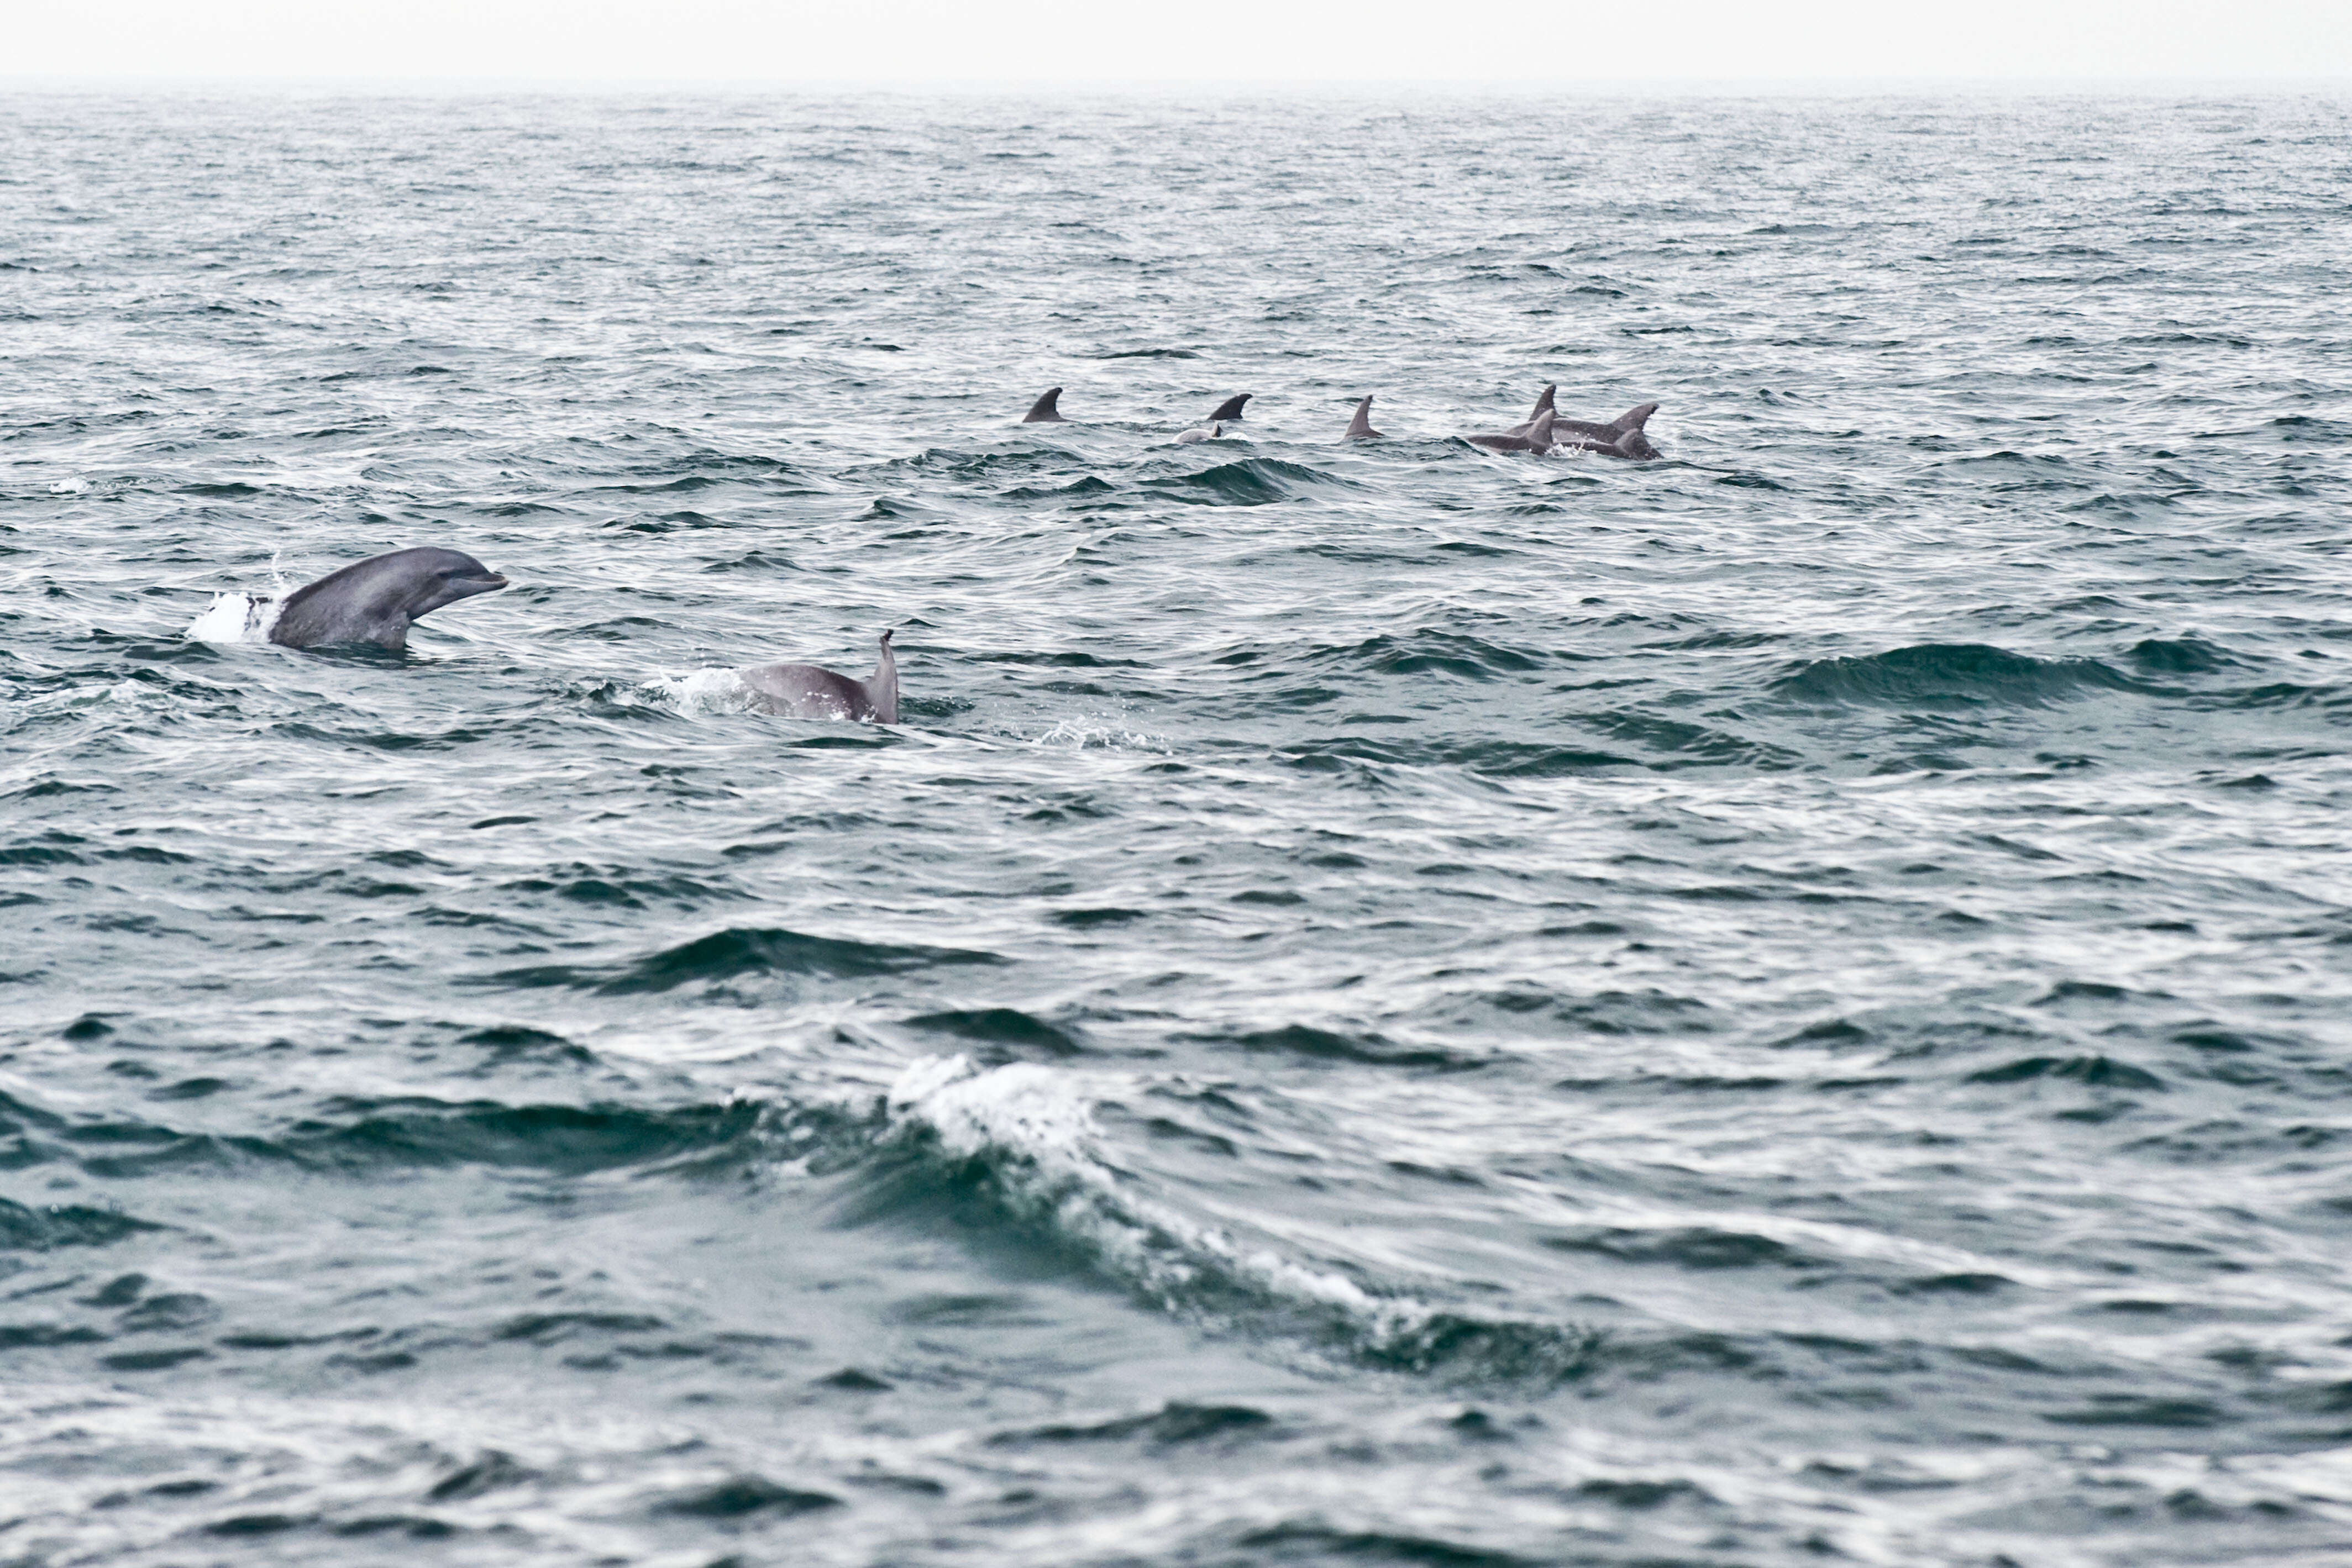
704, 691
1085, 735
236, 618
69, 486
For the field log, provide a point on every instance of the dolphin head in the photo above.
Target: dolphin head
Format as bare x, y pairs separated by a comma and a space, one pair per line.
434, 578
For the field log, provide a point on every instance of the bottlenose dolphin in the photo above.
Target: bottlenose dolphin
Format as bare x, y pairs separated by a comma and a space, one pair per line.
1206, 433
1360, 427
1043, 412
1231, 409
805, 691
376, 599
1620, 438
1536, 438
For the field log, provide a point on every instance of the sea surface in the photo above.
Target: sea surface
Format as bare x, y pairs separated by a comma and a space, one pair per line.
1385, 1005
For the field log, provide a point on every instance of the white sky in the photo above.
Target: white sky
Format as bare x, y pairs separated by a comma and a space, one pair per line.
1230, 40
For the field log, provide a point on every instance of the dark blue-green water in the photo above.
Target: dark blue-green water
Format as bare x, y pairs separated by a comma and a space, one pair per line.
1386, 1004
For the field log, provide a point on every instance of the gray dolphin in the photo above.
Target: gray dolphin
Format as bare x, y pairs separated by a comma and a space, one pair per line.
1230, 411
805, 691
1620, 438
1360, 427
376, 599
1537, 437
1044, 410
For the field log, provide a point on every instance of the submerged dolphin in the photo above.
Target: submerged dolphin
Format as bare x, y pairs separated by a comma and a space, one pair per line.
1360, 427
805, 691
374, 600
1043, 412
1230, 411
1206, 433
1535, 437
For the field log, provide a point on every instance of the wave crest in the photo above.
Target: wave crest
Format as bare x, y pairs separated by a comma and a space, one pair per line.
1026, 1135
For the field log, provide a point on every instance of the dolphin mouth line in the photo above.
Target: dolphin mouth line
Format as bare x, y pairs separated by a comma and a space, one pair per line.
485, 584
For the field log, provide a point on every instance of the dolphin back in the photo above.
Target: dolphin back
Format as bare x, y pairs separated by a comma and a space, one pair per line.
806, 691
810, 691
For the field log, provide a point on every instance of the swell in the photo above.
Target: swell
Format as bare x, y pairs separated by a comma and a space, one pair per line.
1016, 1151
1015, 1148
737, 952
353, 1135
1950, 675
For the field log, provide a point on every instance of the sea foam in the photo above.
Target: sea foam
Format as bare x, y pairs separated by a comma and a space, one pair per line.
236, 618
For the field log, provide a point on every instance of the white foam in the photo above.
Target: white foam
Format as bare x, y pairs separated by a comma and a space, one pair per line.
236, 618
69, 486
704, 691
1089, 734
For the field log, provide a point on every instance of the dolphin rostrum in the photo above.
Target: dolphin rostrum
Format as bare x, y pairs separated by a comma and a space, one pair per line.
374, 600
1044, 410
1536, 438
1231, 409
1360, 427
805, 691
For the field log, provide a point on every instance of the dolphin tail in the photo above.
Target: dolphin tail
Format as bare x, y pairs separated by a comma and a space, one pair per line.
1633, 418
1360, 427
1231, 408
1044, 410
882, 689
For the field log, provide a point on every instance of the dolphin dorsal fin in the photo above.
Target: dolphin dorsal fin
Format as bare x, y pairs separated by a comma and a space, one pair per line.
1360, 427
1044, 409
882, 687
1231, 408
1544, 404
1633, 418
1539, 432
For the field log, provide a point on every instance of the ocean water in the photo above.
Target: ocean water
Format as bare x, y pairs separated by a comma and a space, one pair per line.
1384, 1005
